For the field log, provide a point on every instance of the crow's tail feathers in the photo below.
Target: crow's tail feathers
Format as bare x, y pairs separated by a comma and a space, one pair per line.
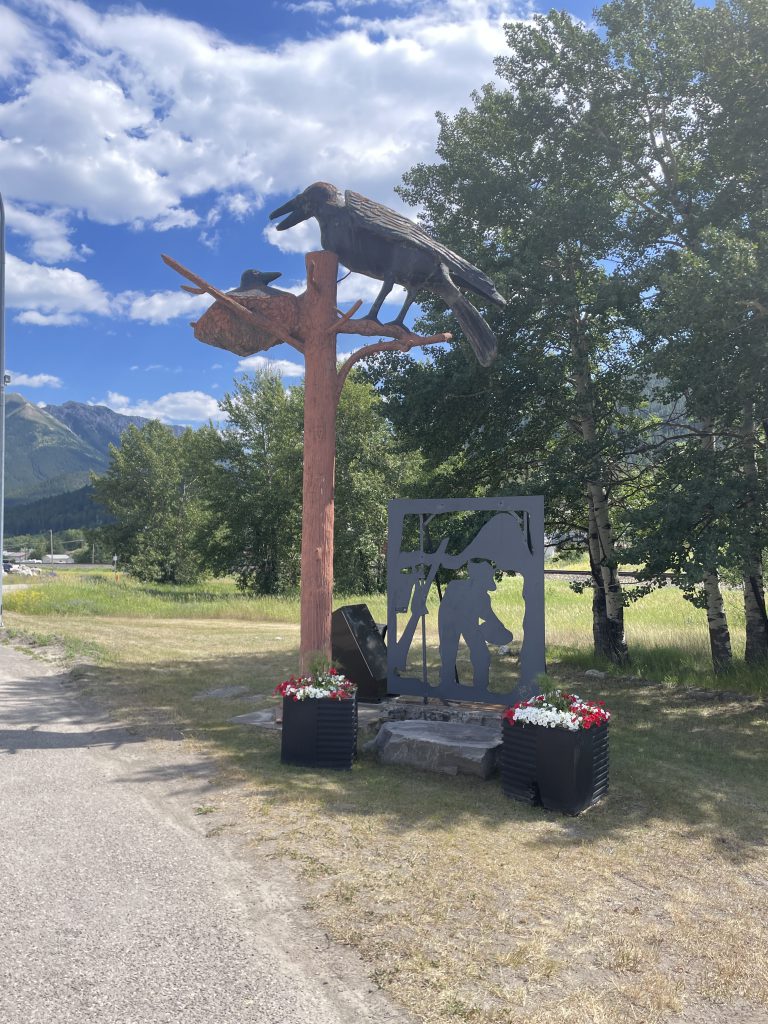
478, 333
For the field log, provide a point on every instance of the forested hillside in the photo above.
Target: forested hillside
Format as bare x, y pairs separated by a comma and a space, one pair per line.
70, 511
51, 452
44, 456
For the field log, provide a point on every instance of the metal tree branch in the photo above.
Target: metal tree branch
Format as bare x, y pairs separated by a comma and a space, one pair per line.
401, 344
345, 316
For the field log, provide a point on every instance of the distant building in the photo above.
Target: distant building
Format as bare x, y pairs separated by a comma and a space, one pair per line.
58, 560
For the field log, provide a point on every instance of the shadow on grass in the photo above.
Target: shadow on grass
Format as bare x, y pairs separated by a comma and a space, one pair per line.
676, 666
700, 768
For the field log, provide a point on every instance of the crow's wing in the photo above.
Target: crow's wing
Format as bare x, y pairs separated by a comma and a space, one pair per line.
398, 230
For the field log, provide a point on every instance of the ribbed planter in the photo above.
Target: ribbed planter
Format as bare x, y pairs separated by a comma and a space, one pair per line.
561, 769
319, 733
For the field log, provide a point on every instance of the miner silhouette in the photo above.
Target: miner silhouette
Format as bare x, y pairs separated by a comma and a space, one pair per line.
466, 611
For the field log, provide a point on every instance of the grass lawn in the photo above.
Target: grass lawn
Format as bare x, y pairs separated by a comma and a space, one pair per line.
651, 907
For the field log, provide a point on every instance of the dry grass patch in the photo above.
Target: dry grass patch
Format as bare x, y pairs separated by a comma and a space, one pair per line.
467, 906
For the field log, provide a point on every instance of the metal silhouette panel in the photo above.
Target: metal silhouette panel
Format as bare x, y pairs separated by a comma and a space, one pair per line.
444, 637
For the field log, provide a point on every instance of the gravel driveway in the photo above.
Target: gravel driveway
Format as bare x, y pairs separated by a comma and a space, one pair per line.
115, 906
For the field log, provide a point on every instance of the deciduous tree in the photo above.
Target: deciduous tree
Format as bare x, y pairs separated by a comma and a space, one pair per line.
158, 488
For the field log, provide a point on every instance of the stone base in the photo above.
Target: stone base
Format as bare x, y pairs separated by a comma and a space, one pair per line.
222, 693
261, 719
448, 747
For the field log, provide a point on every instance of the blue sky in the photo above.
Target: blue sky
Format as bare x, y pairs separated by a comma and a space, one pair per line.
129, 130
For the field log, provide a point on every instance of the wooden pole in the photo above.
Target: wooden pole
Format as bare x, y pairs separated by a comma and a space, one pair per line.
321, 396
310, 323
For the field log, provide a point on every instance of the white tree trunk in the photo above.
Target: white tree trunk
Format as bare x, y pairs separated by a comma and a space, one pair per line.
756, 619
600, 632
719, 634
614, 596
615, 644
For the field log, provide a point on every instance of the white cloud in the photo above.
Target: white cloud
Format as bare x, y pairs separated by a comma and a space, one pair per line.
356, 286
174, 218
312, 7
175, 407
51, 296
305, 237
133, 117
48, 233
238, 204
282, 366
57, 296
353, 287
34, 380
19, 43
36, 319
161, 307
139, 112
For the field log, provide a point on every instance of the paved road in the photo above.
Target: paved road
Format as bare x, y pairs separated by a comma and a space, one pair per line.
114, 906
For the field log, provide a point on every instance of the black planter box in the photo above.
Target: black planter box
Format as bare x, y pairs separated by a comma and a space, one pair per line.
319, 733
561, 769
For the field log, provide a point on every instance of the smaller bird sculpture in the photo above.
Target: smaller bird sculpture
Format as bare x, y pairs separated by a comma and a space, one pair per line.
256, 281
371, 239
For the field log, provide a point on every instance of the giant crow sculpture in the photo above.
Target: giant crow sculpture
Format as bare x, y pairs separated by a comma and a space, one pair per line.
373, 240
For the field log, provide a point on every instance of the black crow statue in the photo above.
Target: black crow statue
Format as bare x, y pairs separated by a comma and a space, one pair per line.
256, 282
373, 240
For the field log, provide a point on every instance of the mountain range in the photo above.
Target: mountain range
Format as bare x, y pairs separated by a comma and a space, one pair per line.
50, 452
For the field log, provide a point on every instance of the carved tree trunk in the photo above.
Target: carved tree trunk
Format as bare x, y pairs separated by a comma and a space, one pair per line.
756, 649
321, 398
310, 323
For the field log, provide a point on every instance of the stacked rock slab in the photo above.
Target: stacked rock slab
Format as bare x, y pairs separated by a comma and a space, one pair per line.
448, 747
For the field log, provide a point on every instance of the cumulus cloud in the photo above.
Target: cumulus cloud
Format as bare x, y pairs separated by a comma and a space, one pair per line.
238, 204
36, 319
282, 366
312, 7
129, 116
353, 287
356, 286
47, 233
175, 407
141, 112
305, 237
57, 296
20, 43
160, 307
51, 296
34, 380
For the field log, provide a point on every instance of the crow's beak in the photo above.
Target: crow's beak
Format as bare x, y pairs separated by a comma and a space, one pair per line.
273, 276
296, 213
